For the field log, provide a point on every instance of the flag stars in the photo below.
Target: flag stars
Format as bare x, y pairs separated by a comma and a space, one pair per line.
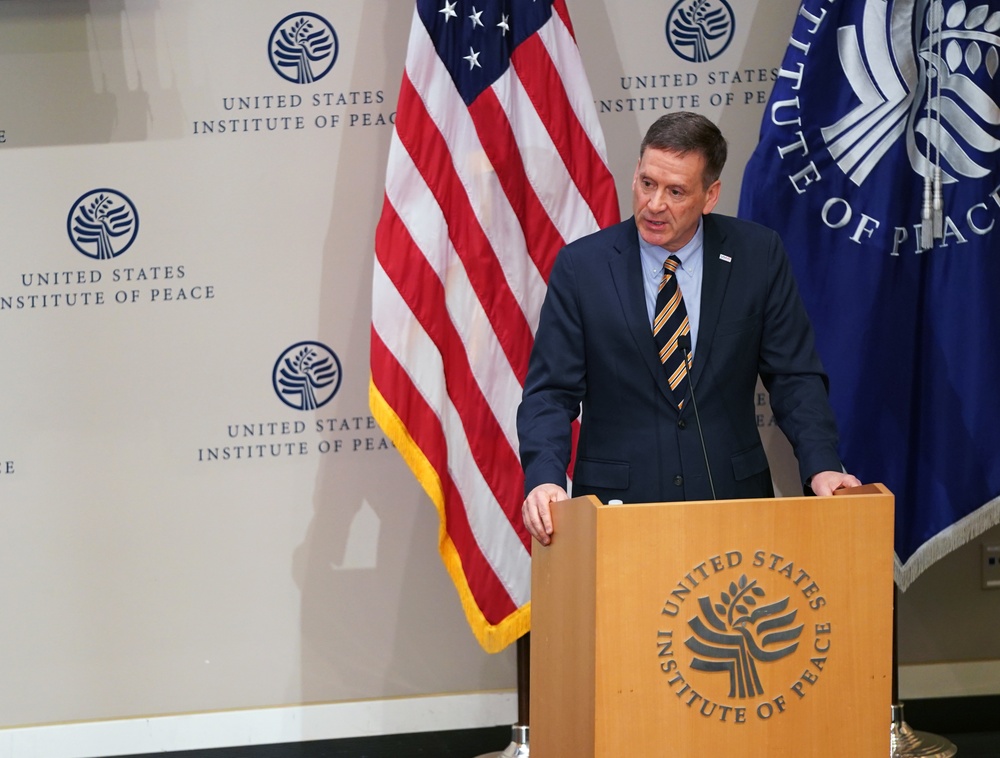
449, 11
473, 59
504, 23
475, 18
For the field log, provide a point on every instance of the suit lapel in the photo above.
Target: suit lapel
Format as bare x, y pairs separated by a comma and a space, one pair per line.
715, 278
626, 272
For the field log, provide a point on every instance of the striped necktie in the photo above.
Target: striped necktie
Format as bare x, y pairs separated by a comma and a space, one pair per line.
671, 322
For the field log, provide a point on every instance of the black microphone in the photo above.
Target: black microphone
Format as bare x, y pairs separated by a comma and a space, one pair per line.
684, 343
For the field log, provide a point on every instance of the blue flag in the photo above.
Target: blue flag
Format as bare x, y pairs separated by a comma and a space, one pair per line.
879, 164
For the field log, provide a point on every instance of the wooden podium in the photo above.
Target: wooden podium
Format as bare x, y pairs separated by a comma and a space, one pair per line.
721, 628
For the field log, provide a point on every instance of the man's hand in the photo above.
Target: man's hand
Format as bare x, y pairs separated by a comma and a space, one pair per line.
825, 482
536, 513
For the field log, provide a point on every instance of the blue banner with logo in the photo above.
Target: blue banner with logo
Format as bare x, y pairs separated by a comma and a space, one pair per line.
879, 164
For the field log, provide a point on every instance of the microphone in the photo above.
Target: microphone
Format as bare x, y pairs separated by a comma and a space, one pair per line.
684, 343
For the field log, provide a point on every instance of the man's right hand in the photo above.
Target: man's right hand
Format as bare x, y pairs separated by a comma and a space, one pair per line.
536, 512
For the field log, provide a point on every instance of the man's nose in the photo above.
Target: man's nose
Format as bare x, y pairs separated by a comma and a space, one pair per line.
658, 201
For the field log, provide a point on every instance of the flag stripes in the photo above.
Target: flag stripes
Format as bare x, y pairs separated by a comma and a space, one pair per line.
426, 454
424, 297
434, 427
487, 178
427, 149
576, 135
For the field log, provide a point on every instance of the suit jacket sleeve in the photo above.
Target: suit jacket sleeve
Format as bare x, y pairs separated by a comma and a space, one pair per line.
556, 382
792, 372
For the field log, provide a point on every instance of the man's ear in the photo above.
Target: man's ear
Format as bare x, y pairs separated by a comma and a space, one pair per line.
713, 197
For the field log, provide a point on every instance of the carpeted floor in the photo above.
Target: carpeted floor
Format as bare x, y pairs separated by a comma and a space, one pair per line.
977, 744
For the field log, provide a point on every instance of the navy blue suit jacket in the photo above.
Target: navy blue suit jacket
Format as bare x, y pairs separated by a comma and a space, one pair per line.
594, 347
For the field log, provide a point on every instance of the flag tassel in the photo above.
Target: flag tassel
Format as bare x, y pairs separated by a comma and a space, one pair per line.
938, 205
926, 218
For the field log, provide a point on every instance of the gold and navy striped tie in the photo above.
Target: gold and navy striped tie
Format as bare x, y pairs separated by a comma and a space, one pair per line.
670, 323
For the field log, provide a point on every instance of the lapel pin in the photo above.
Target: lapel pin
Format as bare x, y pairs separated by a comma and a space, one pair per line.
725, 258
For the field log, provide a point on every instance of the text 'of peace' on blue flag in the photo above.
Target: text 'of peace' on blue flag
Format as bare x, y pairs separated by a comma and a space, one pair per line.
879, 164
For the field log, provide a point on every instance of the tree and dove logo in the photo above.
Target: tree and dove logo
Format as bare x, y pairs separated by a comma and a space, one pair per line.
303, 48
307, 376
700, 30
739, 631
928, 82
103, 224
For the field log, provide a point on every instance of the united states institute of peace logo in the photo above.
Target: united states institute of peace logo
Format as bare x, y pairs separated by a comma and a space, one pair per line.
925, 77
307, 375
303, 47
700, 30
102, 224
738, 642
924, 73
889, 95
739, 630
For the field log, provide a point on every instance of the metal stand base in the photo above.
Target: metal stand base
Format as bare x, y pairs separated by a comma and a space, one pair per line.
518, 748
905, 742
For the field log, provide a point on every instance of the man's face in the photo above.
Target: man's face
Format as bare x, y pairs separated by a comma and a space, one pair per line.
669, 197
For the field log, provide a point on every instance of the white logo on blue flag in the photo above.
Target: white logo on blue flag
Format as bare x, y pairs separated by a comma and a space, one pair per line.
879, 164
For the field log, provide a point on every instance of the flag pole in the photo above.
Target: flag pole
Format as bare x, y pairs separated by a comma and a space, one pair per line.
518, 747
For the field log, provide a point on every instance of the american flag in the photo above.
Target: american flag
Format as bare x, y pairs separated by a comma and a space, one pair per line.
497, 160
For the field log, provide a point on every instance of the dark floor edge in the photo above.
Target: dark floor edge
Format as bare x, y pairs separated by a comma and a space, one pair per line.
951, 715
460, 743
975, 716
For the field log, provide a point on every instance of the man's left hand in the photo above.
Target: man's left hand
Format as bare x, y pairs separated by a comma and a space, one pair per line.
825, 482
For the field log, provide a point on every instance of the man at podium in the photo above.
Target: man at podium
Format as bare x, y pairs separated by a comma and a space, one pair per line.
657, 327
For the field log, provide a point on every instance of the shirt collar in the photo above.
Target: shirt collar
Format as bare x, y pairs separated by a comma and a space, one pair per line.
690, 256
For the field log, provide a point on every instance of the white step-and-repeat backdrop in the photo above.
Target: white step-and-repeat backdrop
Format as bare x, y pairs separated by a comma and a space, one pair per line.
197, 511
